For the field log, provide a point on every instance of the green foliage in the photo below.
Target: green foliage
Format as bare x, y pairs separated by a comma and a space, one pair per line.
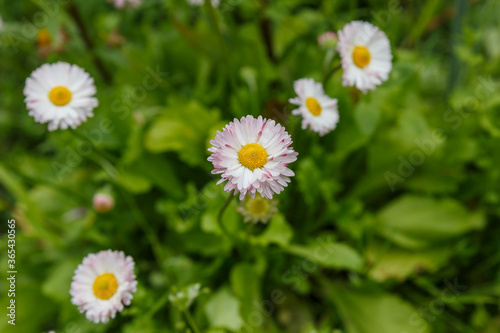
389, 225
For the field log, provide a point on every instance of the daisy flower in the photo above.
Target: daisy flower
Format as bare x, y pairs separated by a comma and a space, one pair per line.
366, 55
258, 209
60, 94
253, 155
121, 3
319, 112
215, 3
102, 284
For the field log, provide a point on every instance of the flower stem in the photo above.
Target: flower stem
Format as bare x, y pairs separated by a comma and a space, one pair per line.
191, 321
294, 128
330, 73
80, 23
103, 159
147, 229
157, 306
327, 62
221, 213
99, 152
266, 31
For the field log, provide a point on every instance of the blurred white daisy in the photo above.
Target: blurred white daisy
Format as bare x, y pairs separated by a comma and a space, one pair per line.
215, 3
121, 3
253, 155
366, 55
102, 284
319, 112
60, 94
258, 209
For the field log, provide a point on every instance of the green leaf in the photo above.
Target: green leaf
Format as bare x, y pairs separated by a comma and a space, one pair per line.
367, 116
133, 182
418, 222
278, 232
399, 264
159, 171
183, 127
308, 177
246, 284
329, 254
58, 282
222, 310
369, 312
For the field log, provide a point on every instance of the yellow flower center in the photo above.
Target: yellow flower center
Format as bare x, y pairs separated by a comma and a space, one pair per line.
361, 56
43, 37
105, 286
313, 106
60, 96
258, 206
252, 156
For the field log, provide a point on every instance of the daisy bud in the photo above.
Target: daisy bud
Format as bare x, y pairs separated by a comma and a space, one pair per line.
215, 3
103, 202
328, 40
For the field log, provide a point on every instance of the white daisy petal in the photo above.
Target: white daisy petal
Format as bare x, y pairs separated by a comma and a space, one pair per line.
319, 112
61, 95
102, 283
252, 154
366, 55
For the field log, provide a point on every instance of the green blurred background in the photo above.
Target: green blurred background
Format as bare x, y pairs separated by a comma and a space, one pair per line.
389, 226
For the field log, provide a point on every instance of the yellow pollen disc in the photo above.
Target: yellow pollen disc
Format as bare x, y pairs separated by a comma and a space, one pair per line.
60, 96
43, 37
313, 106
252, 156
361, 56
258, 206
105, 286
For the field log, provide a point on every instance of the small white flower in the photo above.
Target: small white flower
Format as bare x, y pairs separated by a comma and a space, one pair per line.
60, 94
215, 3
366, 55
102, 284
253, 155
121, 3
319, 112
258, 209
